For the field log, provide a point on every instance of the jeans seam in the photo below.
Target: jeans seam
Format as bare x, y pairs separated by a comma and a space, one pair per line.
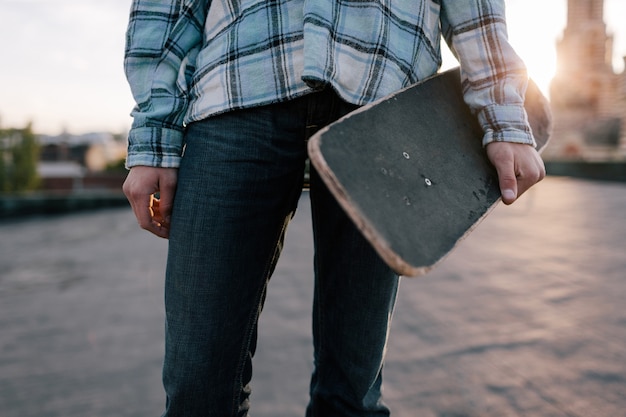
254, 316
319, 345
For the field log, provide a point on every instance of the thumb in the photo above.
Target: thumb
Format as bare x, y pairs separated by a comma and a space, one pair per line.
507, 181
504, 162
508, 189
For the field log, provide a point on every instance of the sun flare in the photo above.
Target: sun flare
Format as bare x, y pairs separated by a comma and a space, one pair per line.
534, 36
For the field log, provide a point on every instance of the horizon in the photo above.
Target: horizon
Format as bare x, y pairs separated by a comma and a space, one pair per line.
63, 82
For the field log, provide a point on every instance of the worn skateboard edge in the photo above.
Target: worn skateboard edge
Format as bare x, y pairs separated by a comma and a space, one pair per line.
363, 223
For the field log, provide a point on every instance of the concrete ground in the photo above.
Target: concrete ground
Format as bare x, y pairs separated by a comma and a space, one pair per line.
526, 318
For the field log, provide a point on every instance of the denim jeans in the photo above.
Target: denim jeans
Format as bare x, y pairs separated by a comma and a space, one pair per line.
239, 183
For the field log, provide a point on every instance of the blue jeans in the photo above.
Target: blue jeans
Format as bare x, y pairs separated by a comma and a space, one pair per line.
239, 183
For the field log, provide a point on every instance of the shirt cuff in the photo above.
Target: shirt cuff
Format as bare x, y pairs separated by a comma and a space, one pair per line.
505, 123
154, 146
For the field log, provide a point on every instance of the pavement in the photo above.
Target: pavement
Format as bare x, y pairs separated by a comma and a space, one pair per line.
526, 318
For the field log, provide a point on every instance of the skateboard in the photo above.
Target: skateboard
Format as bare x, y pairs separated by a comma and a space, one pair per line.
411, 172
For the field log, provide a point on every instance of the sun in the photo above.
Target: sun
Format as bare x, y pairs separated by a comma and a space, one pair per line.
534, 35
541, 64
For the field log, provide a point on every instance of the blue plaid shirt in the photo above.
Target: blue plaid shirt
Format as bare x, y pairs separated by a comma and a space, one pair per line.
189, 59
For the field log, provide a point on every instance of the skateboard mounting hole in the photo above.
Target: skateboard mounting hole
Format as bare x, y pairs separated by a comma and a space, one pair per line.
406, 155
428, 182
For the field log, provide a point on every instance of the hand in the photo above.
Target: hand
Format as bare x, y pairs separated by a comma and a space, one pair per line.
519, 167
153, 214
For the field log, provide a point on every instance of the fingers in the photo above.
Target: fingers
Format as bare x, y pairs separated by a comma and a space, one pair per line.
153, 214
532, 172
140, 200
167, 189
155, 224
519, 167
159, 224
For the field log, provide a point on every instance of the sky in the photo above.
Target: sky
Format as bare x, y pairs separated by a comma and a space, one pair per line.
62, 69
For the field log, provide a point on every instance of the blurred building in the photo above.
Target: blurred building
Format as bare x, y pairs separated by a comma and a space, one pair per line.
588, 97
78, 162
93, 151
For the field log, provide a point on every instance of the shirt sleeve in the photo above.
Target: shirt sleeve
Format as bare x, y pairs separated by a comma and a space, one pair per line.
494, 77
162, 41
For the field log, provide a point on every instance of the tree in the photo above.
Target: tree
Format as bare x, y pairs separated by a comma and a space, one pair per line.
19, 153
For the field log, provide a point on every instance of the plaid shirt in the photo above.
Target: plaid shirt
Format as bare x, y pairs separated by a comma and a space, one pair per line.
189, 59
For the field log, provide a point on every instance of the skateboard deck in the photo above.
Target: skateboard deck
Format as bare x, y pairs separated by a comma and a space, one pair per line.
411, 172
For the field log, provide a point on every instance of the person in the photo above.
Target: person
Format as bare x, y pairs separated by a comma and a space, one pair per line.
227, 94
